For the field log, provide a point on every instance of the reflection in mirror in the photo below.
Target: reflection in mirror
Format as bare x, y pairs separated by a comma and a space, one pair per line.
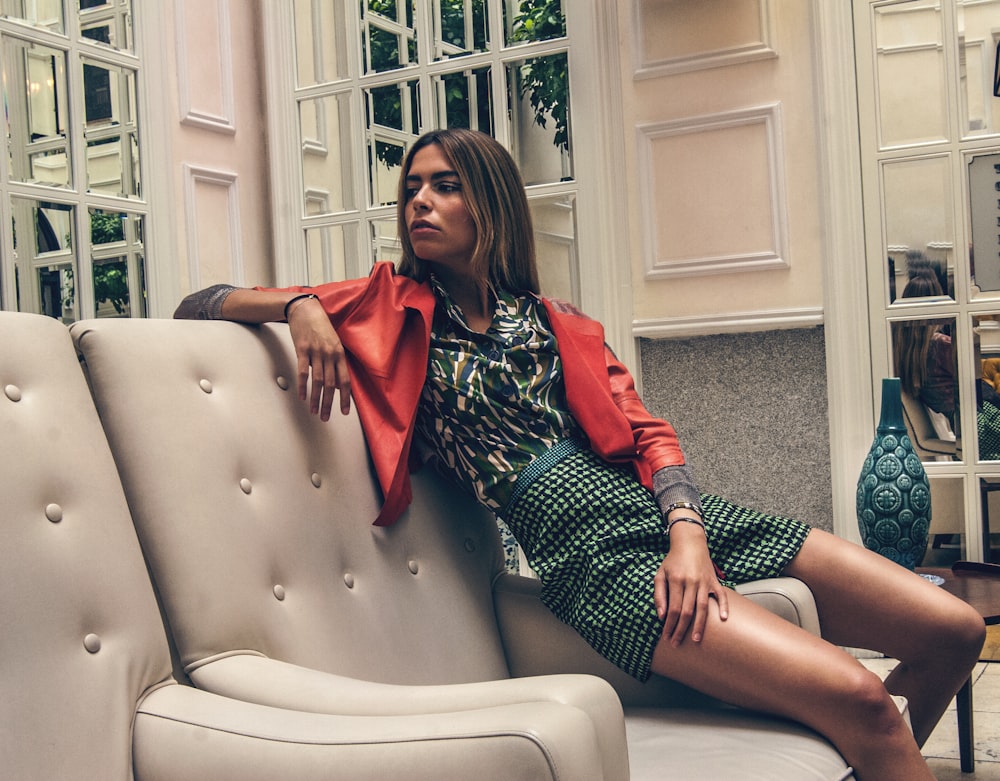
43, 257
554, 221
924, 360
389, 39
38, 113
392, 125
538, 91
47, 14
918, 218
460, 27
320, 50
327, 154
108, 22
464, 99
986, 342
984, 215
947, 537
533, 20
910, 69
118, 260
327, 249
978, 24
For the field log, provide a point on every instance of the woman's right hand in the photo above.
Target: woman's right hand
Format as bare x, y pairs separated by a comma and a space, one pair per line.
321, 355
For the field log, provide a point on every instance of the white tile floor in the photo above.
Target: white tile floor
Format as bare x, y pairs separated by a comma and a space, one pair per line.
941, 748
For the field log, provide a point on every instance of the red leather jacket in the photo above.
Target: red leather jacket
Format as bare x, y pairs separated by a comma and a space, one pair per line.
384, 322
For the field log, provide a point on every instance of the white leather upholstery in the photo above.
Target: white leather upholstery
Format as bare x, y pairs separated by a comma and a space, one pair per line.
255, 519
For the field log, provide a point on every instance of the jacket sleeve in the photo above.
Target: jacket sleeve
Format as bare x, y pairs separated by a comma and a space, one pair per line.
655, 439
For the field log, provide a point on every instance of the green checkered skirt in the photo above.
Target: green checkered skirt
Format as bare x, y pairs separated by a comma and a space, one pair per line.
594, 536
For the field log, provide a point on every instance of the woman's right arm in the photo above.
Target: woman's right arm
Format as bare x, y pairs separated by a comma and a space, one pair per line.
322, 362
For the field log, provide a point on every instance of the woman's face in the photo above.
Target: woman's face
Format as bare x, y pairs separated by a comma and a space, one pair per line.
440, 227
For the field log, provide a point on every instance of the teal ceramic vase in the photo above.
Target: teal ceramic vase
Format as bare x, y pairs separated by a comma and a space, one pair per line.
894, 495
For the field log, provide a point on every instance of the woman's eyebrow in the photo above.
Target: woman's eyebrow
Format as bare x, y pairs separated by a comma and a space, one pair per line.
435, 176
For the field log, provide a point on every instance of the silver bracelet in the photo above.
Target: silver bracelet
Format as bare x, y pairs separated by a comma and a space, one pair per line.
683, 506
683, 519
300, 297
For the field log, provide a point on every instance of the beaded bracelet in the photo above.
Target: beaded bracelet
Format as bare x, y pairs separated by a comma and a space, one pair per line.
293, 299
683, 519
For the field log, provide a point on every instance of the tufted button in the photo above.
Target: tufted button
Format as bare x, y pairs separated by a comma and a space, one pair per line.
470, 545
282, 382
413, 566
246, 486
316, 479
279, 592
92, 643
54, 512
348, 580
205, 385
12, 392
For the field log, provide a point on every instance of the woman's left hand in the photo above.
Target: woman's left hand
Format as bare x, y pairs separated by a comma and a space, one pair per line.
685, 584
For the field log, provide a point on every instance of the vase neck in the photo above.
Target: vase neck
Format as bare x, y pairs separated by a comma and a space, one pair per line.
892, 405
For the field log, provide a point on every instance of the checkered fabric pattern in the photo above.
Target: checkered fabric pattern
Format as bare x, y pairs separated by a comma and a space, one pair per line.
988, 429
594, 536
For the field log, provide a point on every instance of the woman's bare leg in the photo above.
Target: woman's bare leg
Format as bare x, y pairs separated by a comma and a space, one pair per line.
757, 660
866, 601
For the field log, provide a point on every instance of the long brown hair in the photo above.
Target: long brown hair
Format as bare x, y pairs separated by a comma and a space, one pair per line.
504, 255
911, 339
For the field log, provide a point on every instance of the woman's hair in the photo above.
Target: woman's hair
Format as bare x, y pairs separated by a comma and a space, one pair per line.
504, 255
911, 339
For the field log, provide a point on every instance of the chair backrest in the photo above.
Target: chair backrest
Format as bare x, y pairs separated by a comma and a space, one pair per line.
925, 439
82, 637
256, 517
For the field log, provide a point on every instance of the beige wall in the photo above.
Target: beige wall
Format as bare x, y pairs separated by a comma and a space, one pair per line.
722, 164
209, 110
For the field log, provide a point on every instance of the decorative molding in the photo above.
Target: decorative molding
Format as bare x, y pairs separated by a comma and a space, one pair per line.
222, 118
775, 256
750, 51
733, 323
195, 176
845, 290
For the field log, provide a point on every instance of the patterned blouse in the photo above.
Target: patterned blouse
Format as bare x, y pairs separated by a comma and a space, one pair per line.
492, 401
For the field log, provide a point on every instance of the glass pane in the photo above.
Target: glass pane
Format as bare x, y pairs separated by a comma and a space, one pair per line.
919, 219
47, 14
320, 45
554, 220
118, 259
923, 353
327, 154
107, 22
984, 212
986, 341
385, 240
38, 115
526, 21
330, 252
464, 99
538, 90
112, 142
43, 257
393, 123
460, 27
388, 37
977, 50
947, 538
910, 69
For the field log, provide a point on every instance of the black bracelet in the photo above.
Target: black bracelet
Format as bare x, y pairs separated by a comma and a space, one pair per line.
293, 299
684, 519
684, 506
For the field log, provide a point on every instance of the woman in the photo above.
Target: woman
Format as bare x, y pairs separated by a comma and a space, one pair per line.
517, 398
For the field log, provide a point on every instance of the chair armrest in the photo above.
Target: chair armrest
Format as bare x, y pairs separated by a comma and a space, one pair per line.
183, 734
538, 643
